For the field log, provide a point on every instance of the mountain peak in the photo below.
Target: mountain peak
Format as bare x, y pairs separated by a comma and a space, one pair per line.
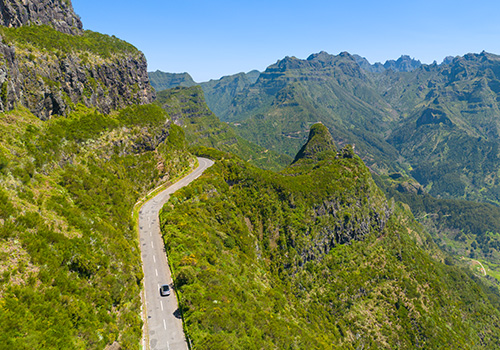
319, 144
403, 64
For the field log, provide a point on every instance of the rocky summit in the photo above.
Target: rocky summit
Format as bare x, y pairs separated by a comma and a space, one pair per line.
56, 13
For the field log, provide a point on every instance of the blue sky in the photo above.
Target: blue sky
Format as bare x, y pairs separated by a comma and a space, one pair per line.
212, 38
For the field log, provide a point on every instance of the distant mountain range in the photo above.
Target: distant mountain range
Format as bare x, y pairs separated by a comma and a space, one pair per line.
438, 123
403, 64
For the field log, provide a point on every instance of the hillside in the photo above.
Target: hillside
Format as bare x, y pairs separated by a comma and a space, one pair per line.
70, 275
315, 257
436, 123
187, 107
291, 95
79, 145
450, 131
468, 230
162, 81
218, 93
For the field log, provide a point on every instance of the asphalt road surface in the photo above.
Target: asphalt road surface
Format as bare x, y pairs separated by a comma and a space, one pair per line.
163, 321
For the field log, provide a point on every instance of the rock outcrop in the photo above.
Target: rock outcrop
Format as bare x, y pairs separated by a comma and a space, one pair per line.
47, 84
56, 13
320, 142
50, 72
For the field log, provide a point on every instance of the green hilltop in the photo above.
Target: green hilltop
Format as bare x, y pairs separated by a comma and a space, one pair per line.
320, 144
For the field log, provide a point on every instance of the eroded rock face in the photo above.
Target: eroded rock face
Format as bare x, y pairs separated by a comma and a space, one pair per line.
56, 13
49, 82
48, 85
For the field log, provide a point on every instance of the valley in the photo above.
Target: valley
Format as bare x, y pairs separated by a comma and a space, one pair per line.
319, 203
426, 132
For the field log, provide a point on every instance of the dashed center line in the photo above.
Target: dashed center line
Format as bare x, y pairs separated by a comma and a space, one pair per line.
161, 304
152, 245
156, 271
164, 324
154, 259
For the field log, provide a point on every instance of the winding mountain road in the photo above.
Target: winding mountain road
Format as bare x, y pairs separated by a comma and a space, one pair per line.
163, 326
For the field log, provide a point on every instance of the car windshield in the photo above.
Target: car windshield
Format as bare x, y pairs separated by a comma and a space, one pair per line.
165, 287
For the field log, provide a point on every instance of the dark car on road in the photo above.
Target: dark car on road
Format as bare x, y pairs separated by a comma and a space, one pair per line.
165, 290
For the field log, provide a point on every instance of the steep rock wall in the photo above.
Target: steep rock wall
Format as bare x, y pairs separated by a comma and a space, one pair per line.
47, 84
56, 13
48, 64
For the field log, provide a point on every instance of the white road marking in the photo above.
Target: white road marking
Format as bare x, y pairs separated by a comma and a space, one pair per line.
146, 212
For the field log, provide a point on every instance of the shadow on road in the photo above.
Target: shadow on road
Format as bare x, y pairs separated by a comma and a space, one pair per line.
177, 313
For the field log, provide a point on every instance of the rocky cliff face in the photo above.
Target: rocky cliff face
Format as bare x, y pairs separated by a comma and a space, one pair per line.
49, 71
49, 84
56, 13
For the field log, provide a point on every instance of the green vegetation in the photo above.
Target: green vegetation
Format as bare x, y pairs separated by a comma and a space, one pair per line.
220, 93
162, 81
187, 107
277, 111
460, 227
315, 258
436, 123
47, 38
70, 275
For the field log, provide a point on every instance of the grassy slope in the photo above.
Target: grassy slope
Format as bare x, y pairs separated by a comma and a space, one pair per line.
48, 39
70, 273
260, 261
188, 108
